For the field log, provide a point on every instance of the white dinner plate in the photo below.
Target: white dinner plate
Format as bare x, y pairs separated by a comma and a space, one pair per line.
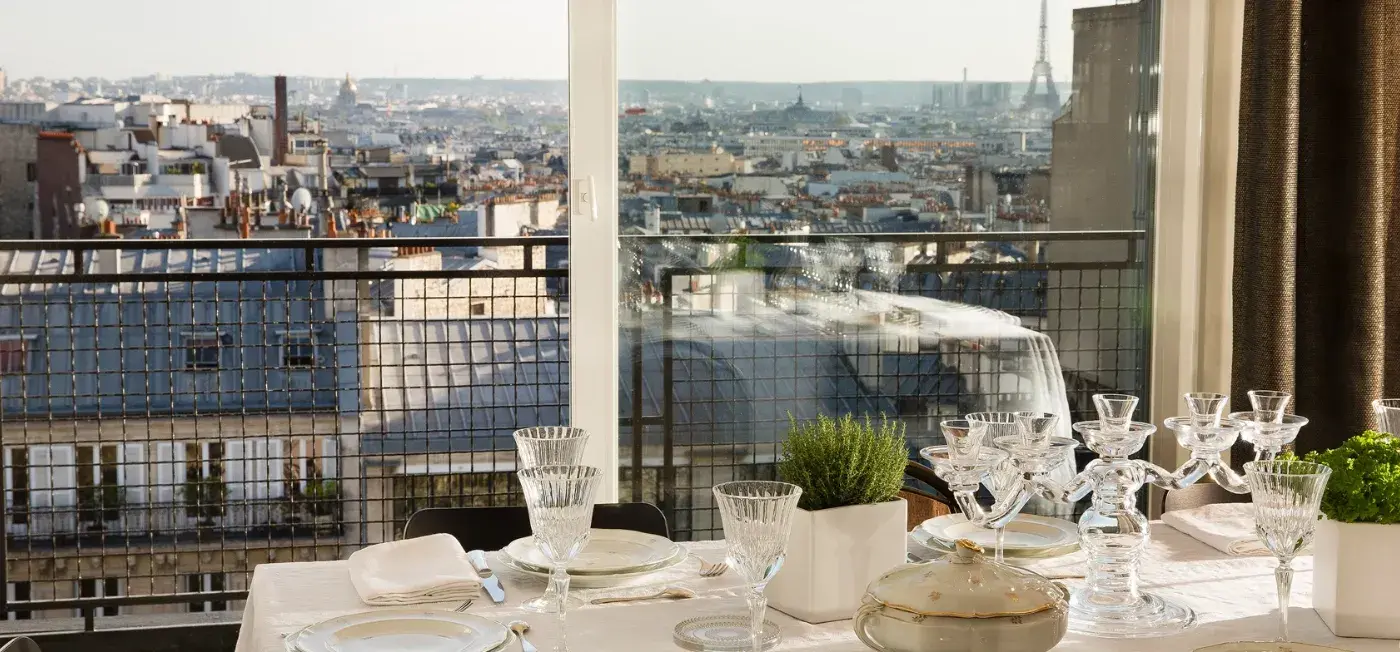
407, 630
609, 552
1026, 535
601, 581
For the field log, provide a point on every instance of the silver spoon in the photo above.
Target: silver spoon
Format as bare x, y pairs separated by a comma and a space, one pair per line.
520, 627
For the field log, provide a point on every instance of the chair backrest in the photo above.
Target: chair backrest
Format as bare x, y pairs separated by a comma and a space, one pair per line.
492, 528
925, 504
922, 506
1199, 495
20, 644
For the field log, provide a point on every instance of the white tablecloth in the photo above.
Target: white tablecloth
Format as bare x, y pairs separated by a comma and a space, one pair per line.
1233, 596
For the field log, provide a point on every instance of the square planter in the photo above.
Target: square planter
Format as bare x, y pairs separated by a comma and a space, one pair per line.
833, 554
1356, 581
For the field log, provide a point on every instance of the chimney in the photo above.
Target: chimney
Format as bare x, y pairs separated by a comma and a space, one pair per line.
279, 148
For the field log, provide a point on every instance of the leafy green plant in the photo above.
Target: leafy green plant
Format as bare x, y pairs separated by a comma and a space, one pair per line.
1365, 482
205, 497
322, 497
845, 461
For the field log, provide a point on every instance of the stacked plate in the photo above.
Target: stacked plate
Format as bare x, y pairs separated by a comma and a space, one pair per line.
611, 557
1027, 536
406, 630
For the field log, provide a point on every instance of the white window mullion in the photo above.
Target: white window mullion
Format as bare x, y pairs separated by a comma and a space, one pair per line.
593, 233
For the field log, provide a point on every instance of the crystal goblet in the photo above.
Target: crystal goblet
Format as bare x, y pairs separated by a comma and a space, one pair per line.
757, 519
549, 446
1206, 408
1287, 494
1387, 415
560, 502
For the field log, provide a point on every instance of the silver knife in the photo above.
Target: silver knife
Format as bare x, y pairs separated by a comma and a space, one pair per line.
489, 581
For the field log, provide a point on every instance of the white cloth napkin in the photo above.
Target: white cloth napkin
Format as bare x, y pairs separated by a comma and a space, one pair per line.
413, 571
1227, 527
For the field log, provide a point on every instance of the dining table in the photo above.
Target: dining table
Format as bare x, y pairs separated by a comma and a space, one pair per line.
1233, 596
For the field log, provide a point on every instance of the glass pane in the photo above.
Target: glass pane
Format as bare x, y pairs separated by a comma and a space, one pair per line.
342, 287
813, 224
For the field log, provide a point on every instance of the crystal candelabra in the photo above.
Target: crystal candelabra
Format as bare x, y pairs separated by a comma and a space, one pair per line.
1113, 532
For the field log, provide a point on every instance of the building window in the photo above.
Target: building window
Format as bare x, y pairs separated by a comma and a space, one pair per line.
17, 485
105, 587
14, 354
202, 350
298, 350
206, 583
100, 494
18, 592
205, 491
31, 172
478, 309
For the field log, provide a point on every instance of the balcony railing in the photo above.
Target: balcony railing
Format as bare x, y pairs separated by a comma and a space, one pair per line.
252, 401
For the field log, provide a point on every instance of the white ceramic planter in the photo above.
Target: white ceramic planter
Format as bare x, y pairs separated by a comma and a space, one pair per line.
833, 554
1356, 580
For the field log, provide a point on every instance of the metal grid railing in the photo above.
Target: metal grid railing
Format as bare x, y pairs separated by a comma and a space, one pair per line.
176, 412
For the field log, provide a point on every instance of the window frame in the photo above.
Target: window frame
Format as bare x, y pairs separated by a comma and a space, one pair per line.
220, 337
285, 340
26, 352
1197, 39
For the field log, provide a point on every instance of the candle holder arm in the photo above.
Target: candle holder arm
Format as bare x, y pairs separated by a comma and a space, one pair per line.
1071, 492
1228, 480
1000, 513
1193, 470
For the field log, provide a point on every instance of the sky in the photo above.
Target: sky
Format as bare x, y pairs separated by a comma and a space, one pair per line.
720, 40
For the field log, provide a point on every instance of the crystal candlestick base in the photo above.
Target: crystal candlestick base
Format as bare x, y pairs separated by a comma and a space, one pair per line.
1114, 533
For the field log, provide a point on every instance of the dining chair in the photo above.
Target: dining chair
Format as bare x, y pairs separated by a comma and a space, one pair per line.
1199, 495
492, 528
20, 644
923, 503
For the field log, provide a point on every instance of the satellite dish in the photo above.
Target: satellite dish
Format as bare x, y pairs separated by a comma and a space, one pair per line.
301, 199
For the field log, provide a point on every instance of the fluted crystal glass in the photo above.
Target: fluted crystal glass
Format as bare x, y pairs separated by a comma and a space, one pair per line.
550, 446
1287, 494
560, 502
1387, 415
1269, 406
757, 520
1115, 412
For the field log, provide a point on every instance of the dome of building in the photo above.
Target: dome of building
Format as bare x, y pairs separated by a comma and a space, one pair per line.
348, 86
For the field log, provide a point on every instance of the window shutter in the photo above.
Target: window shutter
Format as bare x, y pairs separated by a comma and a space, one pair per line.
276, 455
256, 450
65, 476
40, 477
165, 472
234, 461
131, 472
9, 479
329, 457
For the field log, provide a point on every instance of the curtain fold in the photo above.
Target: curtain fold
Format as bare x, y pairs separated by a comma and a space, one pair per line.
1316, 279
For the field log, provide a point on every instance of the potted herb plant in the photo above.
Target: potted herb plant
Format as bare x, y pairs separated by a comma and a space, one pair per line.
1354, 571
849, 527
204, 499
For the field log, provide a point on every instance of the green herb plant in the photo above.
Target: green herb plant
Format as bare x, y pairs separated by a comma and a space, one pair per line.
844, 461
1365, 482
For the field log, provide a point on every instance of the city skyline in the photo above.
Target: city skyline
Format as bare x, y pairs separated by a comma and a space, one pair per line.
888, 40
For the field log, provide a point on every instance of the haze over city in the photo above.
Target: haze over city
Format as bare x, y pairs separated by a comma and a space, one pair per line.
721, 40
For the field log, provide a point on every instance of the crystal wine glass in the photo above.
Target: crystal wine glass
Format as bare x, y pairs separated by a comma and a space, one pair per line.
560, 502
1387, 415
757, 519
1003, 477
549, 446
1287, 494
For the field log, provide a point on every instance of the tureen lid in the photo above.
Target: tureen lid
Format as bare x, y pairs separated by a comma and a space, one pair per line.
965, 585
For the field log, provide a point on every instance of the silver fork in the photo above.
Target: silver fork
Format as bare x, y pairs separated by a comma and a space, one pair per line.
463, 607
711, 570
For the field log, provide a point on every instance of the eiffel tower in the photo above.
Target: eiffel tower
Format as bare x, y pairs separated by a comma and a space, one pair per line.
1048, 98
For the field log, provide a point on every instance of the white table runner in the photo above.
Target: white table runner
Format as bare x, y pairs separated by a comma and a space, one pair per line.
1233, 597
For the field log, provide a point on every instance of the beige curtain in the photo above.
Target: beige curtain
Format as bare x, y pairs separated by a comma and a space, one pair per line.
1317, 234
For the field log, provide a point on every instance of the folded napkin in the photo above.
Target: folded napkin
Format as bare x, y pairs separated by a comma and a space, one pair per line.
413, 571
1227, 527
